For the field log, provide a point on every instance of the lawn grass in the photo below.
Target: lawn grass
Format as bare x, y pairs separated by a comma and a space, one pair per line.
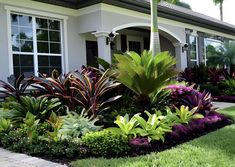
216, 149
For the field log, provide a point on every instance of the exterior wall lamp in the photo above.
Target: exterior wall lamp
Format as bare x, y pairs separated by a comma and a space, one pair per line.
110, 38
185, 47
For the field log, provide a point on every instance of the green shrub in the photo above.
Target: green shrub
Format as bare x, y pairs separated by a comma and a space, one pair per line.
214, 90
106, 143
18, 141
228, 87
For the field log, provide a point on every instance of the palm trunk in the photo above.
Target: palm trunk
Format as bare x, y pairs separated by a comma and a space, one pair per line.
155, 41
221, 11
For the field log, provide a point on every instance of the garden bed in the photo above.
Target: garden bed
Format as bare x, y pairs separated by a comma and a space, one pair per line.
214, 149
179, 135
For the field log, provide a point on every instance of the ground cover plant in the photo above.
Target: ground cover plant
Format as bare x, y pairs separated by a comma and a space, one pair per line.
218, 147
134, 108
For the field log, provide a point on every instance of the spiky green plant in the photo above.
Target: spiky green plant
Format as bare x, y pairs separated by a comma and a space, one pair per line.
40, 107
144, 74
76, 125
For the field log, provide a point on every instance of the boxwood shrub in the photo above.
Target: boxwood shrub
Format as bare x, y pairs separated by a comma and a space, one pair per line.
106, 143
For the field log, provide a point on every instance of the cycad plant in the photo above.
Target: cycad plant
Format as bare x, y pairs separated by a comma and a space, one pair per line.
145, 74
40, 107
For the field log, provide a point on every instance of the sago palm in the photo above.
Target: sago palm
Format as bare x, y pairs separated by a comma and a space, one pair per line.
146, 74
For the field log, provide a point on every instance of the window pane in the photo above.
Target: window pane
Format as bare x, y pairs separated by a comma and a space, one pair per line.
44, 70
26, 46
55, 61
27, 69
54, 25
193, 63
26, 60
42, 35
193, 55
15, 34
43, 47
43, 60
55, 48
16, 60
26, 33
15, 46
41, 23
16, 71
135, 46
54, 36
22, 63
25, 21
47, 64
14, 19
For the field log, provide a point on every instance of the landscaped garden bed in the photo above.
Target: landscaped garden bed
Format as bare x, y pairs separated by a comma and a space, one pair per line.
214, 149
133, 107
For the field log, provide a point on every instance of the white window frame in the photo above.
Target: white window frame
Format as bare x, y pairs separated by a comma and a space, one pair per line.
197, 56
133, 38
39, 14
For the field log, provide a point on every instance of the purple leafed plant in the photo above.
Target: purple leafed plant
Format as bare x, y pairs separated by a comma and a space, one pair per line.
217, 75
140, 143
188, 96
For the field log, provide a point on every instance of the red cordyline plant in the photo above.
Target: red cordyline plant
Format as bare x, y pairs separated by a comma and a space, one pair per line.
57, 87
79, 89
16, 86
90, 91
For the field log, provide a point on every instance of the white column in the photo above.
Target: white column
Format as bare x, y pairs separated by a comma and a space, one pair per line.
104, 50
180, 56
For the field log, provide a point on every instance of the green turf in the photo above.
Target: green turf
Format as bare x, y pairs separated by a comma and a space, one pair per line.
216, 149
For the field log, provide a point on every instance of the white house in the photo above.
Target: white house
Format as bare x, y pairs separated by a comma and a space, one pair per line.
42, 35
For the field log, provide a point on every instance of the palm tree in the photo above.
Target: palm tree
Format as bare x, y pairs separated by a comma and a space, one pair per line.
220, 2
155, 41
178, 3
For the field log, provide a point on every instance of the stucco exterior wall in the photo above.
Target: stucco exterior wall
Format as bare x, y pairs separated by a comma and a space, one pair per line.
4, 57
82, 23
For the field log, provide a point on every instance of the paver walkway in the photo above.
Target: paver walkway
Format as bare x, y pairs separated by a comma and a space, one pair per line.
221, 105
10, 159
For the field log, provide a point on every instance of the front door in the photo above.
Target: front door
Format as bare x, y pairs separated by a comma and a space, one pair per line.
91, 53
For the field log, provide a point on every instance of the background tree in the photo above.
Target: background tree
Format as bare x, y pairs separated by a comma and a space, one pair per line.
220, 2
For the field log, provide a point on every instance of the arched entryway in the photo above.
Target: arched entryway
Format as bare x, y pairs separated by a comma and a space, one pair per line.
136, 37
